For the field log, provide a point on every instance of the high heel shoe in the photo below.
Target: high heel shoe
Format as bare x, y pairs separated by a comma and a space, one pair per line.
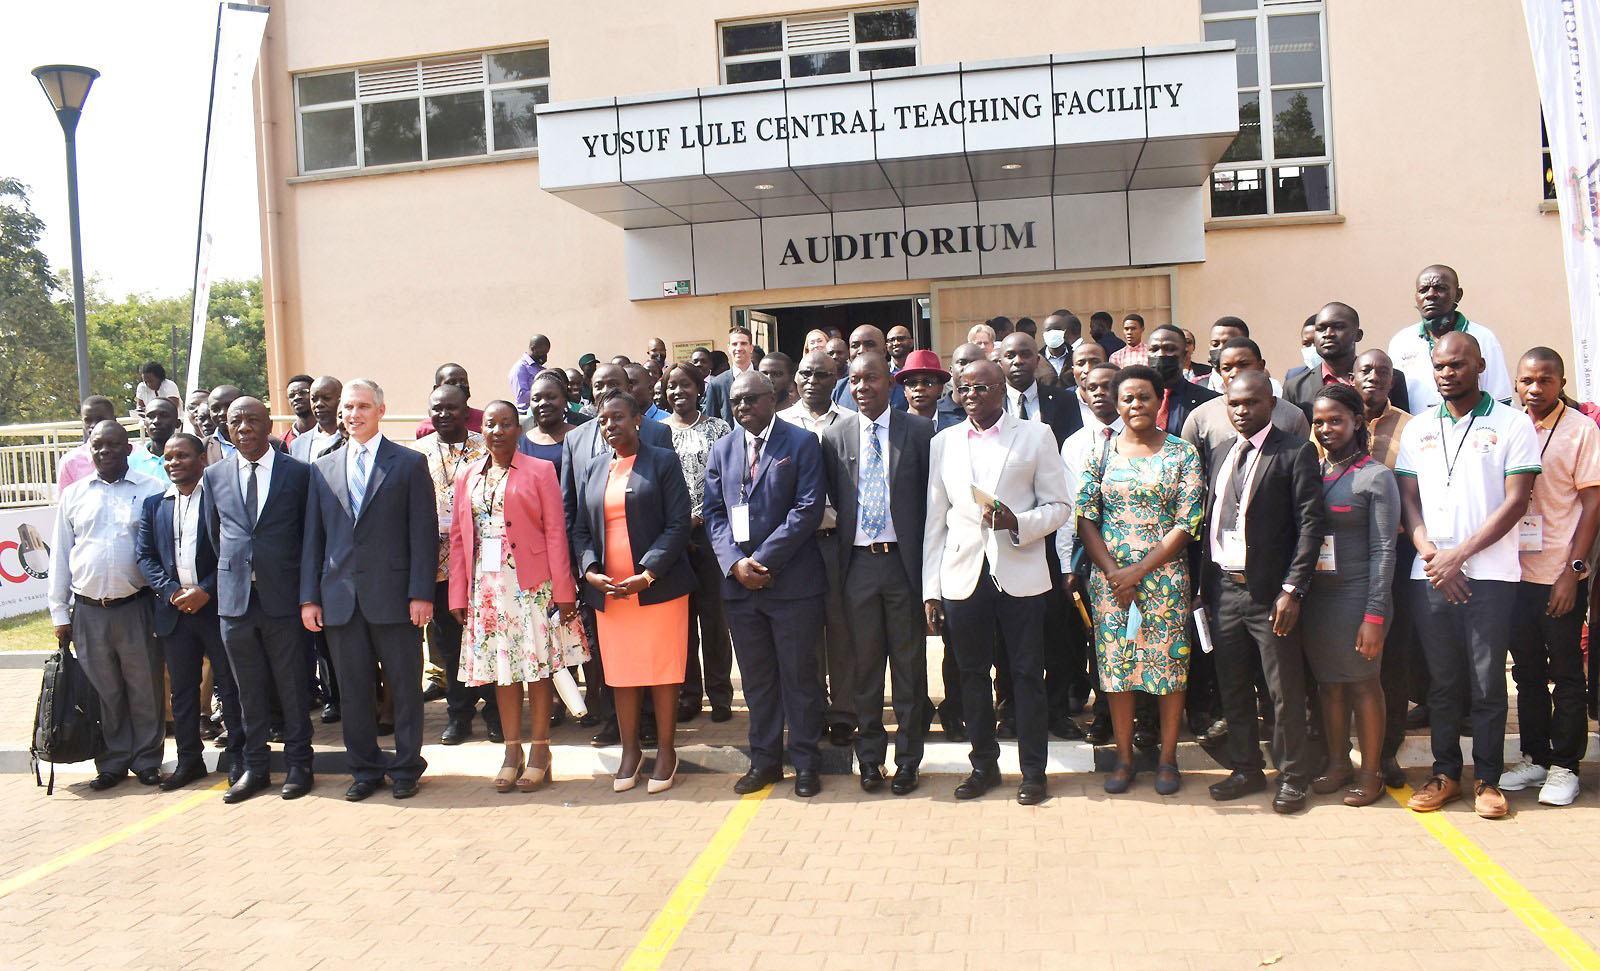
509, 772
527, 783
654, 785
619, 784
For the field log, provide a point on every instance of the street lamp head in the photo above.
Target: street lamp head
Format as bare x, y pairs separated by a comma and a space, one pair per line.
67, 87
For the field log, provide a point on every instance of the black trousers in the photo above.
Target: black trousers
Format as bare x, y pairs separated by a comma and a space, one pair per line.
1242, 632
1554, 724
709, 669
267, 657
952, 713
460, 701
1467, 644
596, 693
197, 637
1400, 653
1066, 662
836, 655
776, 642
887, 624
1021, 622
359, 647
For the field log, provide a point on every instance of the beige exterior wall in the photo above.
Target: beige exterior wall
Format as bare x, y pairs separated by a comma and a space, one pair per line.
1434, 129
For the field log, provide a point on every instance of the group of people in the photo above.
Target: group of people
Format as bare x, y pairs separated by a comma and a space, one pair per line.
1074, 514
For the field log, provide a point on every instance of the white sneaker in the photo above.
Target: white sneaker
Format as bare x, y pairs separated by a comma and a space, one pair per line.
1560, 787
1522, 775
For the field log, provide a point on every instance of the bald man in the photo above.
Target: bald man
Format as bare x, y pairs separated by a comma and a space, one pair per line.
1438, 296
865, 338
900, 344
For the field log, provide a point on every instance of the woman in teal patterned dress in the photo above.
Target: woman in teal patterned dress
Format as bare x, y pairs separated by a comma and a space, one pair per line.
1139, 504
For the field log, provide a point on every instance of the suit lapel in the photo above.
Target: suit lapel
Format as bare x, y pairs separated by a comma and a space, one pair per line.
764, 462
339, 482
897, 444
380, 468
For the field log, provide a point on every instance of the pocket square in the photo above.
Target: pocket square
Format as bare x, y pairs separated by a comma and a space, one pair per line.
782, 461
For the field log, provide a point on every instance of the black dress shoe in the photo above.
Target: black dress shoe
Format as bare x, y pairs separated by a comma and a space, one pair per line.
248, 785
1418, 717
1239, 783
955, 733
221, 741
235, 771
1006, 730
361, 789
297, 784
148, 777
757, 779
978, 783
209, 729
275, 734
608, 734
1291, 797
433, 692
721, 713
1065, 728
871, 778
558, 716
455, 733
106, 780
331, 714
1145, 735
839, 733
905, 780
497, 734
808, 783
1099, 731
405, 788
1215, 734
185, 773
588, 720
385, 729
1393, 776
1032, 792
688, 709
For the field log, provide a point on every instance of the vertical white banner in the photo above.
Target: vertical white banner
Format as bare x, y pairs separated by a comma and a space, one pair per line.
239, 30
1565, 39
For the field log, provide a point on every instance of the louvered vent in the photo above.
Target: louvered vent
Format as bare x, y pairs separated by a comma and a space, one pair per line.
379, 82
815, 33
465, 72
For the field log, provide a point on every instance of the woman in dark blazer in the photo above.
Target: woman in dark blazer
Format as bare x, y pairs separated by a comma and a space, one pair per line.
631, 535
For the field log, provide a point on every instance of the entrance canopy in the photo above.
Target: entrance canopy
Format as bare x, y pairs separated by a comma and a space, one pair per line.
1055, 162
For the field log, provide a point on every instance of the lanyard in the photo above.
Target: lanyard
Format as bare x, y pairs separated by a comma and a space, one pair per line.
1444, 446
1552, 433
494, 490
445, 449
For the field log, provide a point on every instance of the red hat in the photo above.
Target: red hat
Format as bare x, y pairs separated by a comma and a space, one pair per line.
921, 362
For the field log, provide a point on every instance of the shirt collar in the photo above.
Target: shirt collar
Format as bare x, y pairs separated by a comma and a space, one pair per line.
1485, 403
263, 464
1549, 421
993, 431
173, 491
1259, 438
1032, 394
765, 436
1328, 377
1461, 324
881, 421
1115, 425
371, 446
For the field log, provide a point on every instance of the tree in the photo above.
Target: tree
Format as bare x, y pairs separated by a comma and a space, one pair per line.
38, 368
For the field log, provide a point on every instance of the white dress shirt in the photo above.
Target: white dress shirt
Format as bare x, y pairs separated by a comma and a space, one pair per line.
263, 477
353, 449
1223, 474
1082, 450
186, 531
750, 444
798, 414
866, 428
1031, 396
1084, 411
91, 553
320, 440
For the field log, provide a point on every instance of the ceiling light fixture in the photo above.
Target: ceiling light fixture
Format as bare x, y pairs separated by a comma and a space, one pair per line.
764, 186
1011, 166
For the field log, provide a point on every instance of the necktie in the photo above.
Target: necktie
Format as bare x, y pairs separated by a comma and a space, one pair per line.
358, 488
1229, 514
874, 489
755, 457
1022, 407
251, 496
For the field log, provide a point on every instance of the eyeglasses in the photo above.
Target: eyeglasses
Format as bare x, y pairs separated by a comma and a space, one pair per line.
966, 389
739, 401
922, 382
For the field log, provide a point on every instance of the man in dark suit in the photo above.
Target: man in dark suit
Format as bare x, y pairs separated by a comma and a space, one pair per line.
324, 437
177, 558
1266, 498
763, 505
1337, 327
1179, 397
1100, 332
255, 511
877, 470
741, 358
367, 573
865, 338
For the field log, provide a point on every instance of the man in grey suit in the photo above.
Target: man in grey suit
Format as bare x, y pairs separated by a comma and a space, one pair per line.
254, 504
367, 574
877, 473
311, 445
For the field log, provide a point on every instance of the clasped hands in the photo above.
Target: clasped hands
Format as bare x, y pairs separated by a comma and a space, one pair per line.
617, 588
751, 574
1443, 569
190, 599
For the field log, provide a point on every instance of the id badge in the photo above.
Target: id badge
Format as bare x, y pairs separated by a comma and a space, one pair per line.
491, 555
1232, 549
445, 520
1440, 520
739, 520
1325, 559
1530, 534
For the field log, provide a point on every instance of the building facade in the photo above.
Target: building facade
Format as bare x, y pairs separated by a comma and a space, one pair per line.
406, 220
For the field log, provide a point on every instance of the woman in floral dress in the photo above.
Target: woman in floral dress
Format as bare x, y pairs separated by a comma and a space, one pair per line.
509, 573
1139, 504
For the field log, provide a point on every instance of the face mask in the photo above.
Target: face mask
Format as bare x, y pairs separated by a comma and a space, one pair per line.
1309, 356
1167, 368
1216, 358
1053, 339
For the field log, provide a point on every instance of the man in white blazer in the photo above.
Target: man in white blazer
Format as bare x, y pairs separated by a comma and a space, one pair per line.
996, 491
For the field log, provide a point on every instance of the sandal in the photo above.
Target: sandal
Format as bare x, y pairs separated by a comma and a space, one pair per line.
1331, 781
1120, 779
1368, 789
533, 779
507, 777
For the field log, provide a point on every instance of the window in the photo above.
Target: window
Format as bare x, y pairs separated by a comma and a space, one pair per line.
1286, 167
836, 42
1549, 169
421, 111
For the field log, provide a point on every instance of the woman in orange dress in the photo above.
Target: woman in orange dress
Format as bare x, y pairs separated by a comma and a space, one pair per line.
631, 534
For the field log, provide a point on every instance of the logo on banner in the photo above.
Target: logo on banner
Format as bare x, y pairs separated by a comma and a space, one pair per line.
31, 554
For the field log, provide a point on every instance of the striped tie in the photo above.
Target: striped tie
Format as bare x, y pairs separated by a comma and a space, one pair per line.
874, 489
358, 490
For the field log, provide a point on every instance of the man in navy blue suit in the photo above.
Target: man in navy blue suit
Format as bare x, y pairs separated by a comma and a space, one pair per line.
865, 338
764, 500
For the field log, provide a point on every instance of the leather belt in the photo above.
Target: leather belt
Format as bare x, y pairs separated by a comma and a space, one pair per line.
879, 547
111, 601
1238, 578
827, 530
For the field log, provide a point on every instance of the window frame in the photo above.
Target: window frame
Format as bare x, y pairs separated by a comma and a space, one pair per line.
1268, 164
354, 104
784, 53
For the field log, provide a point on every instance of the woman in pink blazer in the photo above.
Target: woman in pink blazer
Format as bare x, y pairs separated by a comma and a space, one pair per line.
509, 573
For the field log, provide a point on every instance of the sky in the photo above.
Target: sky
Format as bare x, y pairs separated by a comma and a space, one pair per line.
140, 141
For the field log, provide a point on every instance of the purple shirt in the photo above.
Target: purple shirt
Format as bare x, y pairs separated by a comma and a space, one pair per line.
521, 377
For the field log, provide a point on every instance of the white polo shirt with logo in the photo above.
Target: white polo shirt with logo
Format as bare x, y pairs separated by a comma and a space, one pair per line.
1412, 353
1460, 467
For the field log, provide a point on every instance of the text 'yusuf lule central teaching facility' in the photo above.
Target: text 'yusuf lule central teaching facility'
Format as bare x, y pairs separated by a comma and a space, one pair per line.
440, 181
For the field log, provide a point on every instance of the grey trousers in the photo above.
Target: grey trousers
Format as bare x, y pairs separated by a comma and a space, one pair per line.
118, 648
887, 625
835, 647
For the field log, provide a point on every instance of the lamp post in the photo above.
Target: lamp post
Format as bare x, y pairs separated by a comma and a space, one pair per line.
67, 87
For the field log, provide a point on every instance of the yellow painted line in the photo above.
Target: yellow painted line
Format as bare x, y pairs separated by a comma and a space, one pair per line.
36, 873
663, 932
1566, 943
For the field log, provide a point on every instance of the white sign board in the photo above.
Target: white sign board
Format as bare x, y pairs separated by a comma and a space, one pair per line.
25, 560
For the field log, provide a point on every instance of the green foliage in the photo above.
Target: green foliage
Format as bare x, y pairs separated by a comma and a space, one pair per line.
38, 373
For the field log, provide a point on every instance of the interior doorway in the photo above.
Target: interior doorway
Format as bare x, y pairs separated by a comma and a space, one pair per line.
788, 323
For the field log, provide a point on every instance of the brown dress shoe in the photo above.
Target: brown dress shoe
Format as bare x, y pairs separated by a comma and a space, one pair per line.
1434, 793
1368, 789
1336, 778
1488, 801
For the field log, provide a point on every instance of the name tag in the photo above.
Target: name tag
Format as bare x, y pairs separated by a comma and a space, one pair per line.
1325, 558
1439, 517
739, 521
1530, 534
490, 554
1232, 550
445, 520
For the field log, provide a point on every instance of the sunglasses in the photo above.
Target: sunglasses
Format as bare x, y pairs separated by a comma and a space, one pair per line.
967, 389
922, 382
739, 401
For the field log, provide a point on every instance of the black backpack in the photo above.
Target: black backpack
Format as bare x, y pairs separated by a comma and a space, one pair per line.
66, 727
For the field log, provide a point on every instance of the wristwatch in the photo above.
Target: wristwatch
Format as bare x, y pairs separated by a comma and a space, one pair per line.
1580, 567
1294, 591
